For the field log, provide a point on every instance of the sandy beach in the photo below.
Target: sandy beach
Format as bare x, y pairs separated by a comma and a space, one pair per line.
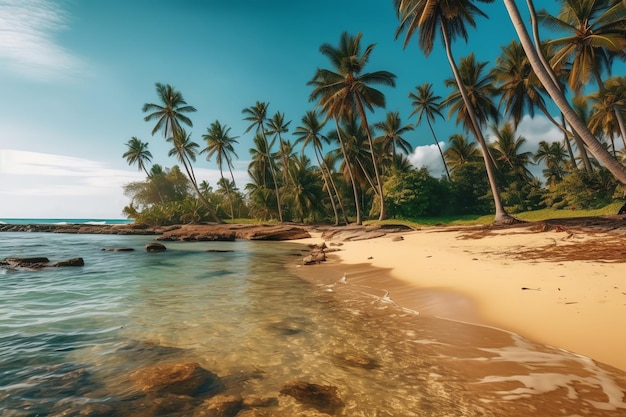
558, 285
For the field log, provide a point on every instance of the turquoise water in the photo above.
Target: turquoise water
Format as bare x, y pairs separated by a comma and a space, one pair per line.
63, 221
70, 339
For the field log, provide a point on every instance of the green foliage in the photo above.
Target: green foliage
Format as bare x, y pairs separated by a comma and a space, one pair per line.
584, 190
470, 189
521, 195
415, 194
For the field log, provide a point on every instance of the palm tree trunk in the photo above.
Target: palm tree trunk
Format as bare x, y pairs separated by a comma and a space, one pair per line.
330, 193
272, 171
359, 221
232, 211
335, 190
620, 121
596, 148
439, 147
501, 216
379, 184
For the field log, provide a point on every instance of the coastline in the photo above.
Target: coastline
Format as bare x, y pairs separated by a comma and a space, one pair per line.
559, 285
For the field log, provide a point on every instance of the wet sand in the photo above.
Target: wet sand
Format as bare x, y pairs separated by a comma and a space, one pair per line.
562, 286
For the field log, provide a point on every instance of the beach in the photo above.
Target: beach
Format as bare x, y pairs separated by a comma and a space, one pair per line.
559, 285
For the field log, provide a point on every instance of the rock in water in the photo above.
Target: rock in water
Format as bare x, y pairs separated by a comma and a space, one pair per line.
185, 378
322, 397
155, 247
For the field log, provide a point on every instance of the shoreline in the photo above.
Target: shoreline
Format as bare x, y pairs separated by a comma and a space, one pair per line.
560, 286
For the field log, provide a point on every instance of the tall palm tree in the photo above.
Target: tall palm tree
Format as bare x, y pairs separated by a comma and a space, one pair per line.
276, 126
310, 133
391, 139
170, 113
137, 153
428, 17
461, 151
220, 144
257, 116
547, 78
346, 90
426, 103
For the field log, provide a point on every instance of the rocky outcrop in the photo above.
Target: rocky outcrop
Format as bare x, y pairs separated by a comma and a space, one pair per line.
231, 232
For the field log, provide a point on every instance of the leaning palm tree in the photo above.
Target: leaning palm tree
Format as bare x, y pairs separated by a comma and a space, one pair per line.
391, 139
426, 103
346, 90
428, 17
220, 144
547, 78
185, 150
137, 153
257, 116
310, 133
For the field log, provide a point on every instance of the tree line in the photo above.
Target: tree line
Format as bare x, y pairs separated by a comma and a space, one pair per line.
361, 168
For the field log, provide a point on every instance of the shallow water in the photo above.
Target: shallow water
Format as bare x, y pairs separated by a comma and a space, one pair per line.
71, 337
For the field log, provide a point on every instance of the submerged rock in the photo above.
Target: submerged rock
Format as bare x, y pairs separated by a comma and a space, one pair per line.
39, 263
220, 406
186, 378
322, 397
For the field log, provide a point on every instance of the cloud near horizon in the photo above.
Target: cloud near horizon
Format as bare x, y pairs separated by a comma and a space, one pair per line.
27, 44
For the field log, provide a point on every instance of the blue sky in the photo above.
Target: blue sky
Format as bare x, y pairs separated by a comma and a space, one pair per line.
75, 74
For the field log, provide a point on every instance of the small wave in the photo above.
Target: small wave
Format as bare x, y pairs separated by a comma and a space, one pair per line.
96, 223
61, 223
1, 222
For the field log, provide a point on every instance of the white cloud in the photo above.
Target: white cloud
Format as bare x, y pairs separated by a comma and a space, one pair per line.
428, 156
27, 44
34, 184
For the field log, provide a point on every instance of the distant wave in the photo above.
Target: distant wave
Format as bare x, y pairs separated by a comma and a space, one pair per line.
1, 222
95, 222
65, 221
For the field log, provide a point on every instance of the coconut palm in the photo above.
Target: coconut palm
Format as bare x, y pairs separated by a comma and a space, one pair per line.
426, 103
427, 18
185, 151
305, 192
170, 113
220, 144
507, 151
391, 139
276, 126
547, 78
604, 119
137, 153
461, 151
346, 90
257, 116
555, 156
310, 133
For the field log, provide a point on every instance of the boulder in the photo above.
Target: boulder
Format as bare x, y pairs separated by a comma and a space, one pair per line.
321, 397
315, 257
186, 378
155, 247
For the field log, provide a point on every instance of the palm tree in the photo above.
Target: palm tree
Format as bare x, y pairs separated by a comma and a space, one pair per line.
305, 192
426, 103
461, 151
220, 144
450, 17
170, 113
346, 90
391, 138
547, 78
507, 149
595, 34
309, 133
257, 116
604, 119
185, 150
276, 126
137, 153
555, 156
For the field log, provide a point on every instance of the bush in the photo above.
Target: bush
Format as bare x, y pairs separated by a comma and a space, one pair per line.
584, 190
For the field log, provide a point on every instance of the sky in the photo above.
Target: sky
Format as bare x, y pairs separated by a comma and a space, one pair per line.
76, 73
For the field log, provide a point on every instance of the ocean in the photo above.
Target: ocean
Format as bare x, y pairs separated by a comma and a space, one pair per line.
64, 221
73, 339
